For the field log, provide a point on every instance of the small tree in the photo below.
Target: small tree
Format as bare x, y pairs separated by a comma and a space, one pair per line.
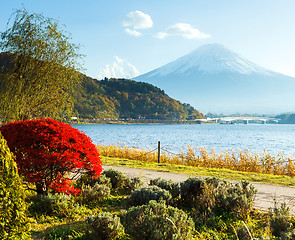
13, 222
42, 71
47, 151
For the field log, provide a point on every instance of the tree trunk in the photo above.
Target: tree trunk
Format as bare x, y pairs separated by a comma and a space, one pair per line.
41, 188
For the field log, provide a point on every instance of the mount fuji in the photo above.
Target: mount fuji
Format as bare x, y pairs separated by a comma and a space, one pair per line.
215, 79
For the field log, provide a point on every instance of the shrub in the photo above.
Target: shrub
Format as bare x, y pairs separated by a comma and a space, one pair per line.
85, 180
48, 150
13, 221
214, 197
111, 178
280, 220
41, 204
93, 194
237, 199
170, 186
158, 221
190, 189
144, 195
131, 184
106, 226
117, 178
206, 202
59, 205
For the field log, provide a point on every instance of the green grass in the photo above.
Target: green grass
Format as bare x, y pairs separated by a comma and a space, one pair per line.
198, 171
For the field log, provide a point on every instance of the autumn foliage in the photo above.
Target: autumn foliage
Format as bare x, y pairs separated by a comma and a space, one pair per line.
244, 161
48, 151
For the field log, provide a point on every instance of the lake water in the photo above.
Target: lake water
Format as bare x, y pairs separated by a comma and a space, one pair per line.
256, 137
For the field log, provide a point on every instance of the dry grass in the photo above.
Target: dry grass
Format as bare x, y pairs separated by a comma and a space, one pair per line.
200, 157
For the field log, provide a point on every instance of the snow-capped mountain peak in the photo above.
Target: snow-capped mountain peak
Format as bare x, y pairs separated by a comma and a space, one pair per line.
213, 78
210, 59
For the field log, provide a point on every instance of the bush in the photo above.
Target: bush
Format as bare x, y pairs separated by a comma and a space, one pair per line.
170, 186
190, 189
120, 182
59, 205
158, 221
98, 192
13, 221
117, 178
106, 226
85, 180
237, 199
280, 220
206, 202
131, 184
46, 150
144, 195
41, 205
214, 197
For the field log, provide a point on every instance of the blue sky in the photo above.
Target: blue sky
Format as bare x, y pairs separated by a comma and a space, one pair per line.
129, 37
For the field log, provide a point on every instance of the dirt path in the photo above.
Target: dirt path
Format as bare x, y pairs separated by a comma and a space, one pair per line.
264, 198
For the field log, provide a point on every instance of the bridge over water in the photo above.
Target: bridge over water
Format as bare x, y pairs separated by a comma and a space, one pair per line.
244, 120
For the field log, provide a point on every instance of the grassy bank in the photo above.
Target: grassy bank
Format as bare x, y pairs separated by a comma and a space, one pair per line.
201, 171
242, 161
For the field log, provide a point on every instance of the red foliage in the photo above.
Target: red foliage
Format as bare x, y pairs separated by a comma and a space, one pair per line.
47, 150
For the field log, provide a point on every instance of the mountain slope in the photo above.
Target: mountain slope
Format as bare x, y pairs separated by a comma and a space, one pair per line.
219, 80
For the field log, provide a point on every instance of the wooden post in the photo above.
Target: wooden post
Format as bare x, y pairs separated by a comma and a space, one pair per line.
159, 151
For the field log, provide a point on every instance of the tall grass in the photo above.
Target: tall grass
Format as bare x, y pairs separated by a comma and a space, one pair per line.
134, 153
201, 157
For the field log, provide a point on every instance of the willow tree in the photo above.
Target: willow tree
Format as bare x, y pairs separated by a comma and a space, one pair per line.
43, 68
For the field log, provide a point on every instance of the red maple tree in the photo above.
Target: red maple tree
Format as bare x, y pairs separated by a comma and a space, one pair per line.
49, 153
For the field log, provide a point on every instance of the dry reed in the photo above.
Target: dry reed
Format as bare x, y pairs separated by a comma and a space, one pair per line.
201, 157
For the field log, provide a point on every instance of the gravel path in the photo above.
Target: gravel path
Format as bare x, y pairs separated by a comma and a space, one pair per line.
264, 197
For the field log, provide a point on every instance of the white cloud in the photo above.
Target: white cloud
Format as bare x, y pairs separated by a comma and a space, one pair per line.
184, 30
137, 20
133, 32
118, 69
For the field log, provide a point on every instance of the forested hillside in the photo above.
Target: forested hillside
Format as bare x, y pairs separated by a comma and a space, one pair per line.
123, 98
120, 98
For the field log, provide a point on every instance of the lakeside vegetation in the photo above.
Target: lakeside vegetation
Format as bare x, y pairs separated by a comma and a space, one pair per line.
243, 161
201, 171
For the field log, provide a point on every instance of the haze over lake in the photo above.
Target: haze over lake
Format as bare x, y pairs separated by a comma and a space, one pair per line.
256, 137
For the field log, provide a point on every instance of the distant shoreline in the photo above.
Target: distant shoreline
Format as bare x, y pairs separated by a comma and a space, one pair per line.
156, 121
137, 121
